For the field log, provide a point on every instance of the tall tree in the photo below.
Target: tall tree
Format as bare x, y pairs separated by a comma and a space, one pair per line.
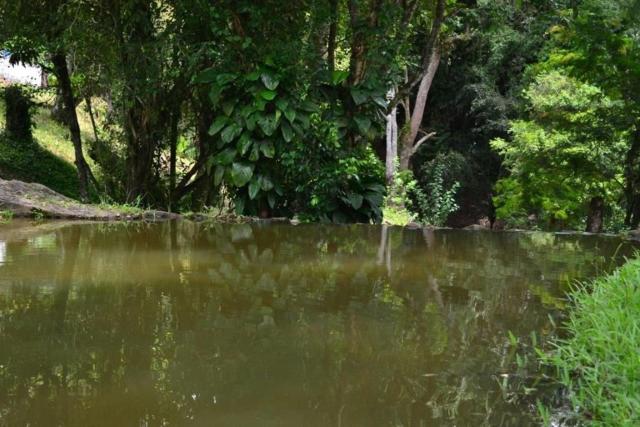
37, 33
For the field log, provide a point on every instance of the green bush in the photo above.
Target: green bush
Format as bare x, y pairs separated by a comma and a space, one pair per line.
328, 182
434, 196
18, 121
599, 363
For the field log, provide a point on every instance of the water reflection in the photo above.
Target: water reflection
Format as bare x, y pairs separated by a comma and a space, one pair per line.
183, 323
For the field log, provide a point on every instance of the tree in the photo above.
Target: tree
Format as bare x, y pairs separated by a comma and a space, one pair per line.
565, 161
37, 33
601, 44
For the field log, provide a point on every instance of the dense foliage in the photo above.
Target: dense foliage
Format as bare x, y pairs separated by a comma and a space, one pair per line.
475, 111
598, 364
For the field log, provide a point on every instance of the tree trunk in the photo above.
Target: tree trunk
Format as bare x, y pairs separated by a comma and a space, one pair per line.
204, 178
87, 100
409, 146
358, 57
141, 149
392, 144
333, 31
64, 81
430, 63
173, 148
595, 219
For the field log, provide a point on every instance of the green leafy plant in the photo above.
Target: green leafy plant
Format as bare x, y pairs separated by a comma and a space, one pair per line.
434, 199
331, 183
257, 117
566, 153
598, 364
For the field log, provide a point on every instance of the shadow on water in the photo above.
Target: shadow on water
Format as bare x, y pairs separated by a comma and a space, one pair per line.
181, 323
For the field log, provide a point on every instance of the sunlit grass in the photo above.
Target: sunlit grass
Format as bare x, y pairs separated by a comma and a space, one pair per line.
50, 159
53, 136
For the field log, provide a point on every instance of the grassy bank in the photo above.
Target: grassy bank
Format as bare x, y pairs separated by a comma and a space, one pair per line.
599, 364
49, 159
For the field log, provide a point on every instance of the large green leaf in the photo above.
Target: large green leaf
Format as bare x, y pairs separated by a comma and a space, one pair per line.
310, 107
290, 114
225, 78
254, 188
241, 173
268, 149
338, 77
250, 122
260, 104
253, 76
231, 132
282, 104
217, 125
363, 123
359, 96
268, 125
271, 198
255, 153
215, 94
225, 157
268, 95
287, 132
374, 198
240, 202
206, 76
269, 81
265, 183
354, 200
380, 101
227, 107
304, 120
244, 143
219, 174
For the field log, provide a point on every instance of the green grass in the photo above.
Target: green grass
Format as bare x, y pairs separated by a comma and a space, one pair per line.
396, 216
5, 216
49, 159
599, 363
30, 162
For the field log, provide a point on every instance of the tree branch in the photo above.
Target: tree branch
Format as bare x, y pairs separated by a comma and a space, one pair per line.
422, 141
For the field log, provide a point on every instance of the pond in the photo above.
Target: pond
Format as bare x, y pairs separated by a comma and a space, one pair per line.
182, 323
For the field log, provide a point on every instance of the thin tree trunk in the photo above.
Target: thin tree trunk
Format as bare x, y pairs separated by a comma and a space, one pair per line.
333, 31
357, 60
408, 143
595, 219
62, 73
87, 100
392, 143
173, 144
430, 63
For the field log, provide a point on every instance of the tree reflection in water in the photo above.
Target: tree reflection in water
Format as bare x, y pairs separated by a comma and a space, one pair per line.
183, 323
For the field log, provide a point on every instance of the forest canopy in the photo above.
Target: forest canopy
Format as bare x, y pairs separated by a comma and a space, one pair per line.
520, 113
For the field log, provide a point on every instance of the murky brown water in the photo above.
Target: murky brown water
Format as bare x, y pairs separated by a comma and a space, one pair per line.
193, 324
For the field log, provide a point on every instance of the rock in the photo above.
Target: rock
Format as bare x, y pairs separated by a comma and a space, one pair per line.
476, 227
499, 224
634, 234
485, 222
31, 199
